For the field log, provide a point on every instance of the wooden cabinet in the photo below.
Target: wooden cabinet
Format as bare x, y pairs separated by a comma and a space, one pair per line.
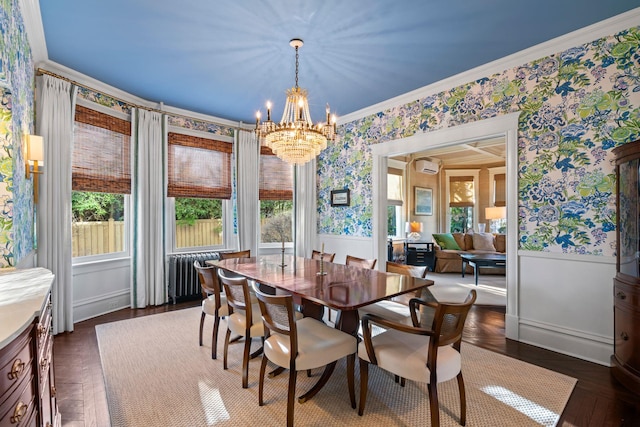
27, 390
626, 285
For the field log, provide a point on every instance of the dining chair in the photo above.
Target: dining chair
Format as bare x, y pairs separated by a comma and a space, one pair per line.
361, 262
214, 302
325, 256
300, 344
398, 310
244, 319
423, 353
237, 254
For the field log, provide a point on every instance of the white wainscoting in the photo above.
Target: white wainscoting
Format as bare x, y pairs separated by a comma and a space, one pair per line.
566, 304
342, 246
100, 288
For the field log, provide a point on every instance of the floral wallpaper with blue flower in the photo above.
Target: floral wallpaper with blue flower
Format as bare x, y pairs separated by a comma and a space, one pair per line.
17, 86
575, 107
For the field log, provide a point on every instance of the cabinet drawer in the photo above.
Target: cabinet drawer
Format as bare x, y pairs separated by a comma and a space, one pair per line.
15, 363
20, 404
627, 337
626, 295
43, 328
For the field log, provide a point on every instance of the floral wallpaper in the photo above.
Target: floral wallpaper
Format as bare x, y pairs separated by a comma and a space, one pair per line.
16, 108
575, 107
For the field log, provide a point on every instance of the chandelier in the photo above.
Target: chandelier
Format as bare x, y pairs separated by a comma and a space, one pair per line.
296, 140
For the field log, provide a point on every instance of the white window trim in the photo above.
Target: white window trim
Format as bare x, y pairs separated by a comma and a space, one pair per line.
228, 237
402, 218
127, 197
475, 173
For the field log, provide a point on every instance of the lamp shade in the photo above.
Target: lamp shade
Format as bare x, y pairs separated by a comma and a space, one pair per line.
414, 227
35, 148
495, 212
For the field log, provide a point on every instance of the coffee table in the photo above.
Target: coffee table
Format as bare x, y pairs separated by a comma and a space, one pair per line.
482, 260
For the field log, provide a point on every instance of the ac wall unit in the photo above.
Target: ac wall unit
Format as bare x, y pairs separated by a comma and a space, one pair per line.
426, 166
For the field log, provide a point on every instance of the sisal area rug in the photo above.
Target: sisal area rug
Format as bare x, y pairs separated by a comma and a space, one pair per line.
157, 375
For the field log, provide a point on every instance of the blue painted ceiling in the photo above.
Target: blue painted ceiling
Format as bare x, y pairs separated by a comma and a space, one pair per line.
226, 58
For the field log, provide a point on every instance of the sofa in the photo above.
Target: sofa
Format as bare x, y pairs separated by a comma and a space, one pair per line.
449, 246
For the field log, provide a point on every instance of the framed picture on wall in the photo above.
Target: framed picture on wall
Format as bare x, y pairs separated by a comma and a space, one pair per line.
340, 197
423, 201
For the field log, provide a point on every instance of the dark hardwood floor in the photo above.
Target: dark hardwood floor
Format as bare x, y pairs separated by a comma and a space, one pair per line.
597, 400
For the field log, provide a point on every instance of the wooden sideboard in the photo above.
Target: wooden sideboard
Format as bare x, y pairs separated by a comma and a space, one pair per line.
27, 390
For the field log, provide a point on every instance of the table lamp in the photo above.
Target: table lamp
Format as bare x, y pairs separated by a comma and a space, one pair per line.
413, 230
494, 212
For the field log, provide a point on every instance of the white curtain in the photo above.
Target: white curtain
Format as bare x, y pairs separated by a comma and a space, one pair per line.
55, 111
147, 281
306, 212
248, 179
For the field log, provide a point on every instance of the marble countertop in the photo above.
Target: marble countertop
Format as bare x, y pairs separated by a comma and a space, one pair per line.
22, 296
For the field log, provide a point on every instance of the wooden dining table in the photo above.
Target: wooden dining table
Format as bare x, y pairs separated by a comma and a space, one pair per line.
316, 284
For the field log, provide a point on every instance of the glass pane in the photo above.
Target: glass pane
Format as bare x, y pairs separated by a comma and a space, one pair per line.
461, 219
629, 220
98, 225
198, 222
276, 221
392, 221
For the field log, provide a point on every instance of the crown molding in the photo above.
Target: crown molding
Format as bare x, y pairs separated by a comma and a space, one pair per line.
109, 90
32, 19
581, 36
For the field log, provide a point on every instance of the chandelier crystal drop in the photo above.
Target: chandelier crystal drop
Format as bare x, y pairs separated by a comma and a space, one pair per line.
296, 140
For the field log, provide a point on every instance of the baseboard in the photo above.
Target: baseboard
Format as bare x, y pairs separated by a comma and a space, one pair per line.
511, 326
89, 308
593, 348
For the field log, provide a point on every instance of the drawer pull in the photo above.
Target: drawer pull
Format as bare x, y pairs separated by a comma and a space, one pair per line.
621, 295
53, 391
41, 330
624, 336
19, 412
16, 369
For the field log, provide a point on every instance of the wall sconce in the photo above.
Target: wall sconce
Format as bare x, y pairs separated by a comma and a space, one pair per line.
413, 230
34, 154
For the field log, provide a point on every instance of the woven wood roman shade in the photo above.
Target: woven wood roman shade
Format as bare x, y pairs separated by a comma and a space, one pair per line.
394, 186
101, 153
461, 192
276, 177
199, 167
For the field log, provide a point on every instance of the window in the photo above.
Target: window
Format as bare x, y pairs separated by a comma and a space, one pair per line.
276, 198
199, 181
395, 197
462, 192
101, 182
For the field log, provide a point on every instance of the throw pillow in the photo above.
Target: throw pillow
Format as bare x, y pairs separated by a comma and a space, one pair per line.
483, 242
446, 241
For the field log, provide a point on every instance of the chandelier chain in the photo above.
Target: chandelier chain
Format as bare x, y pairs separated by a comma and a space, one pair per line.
296, 67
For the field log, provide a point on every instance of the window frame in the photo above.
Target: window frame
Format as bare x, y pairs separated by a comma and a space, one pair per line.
475, 173
402, 218
170, 206
265, 151
126, 253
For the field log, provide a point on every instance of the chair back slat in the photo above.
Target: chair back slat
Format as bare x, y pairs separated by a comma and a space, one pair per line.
449, 319
277, 312
237, 291
239, 254
325, 256
361, 262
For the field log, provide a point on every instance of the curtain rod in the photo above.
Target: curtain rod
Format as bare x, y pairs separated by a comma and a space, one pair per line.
41, 71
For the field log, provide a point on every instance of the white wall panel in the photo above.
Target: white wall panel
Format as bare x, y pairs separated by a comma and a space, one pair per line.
566, 304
